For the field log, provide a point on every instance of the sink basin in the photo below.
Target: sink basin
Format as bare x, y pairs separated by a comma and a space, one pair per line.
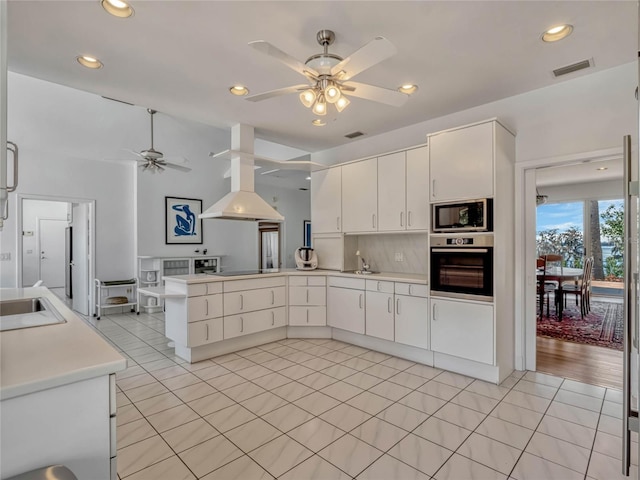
27, 313
366, 272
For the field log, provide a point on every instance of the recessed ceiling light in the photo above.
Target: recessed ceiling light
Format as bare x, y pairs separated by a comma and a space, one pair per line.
89, 62
557, 33
308, 178
117, 8
239, 90
602, 168
319, 122
408, 89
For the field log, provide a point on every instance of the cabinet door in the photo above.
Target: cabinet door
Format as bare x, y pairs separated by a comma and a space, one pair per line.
307, 296
418, 189
204, 331
250, 300
462, 329
461, 163
201, 308
392, 174
326, 201
360, 196
412, 321
345, 309
307, 316
379, 315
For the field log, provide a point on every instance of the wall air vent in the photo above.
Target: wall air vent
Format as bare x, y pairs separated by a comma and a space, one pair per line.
354, 135
572, 68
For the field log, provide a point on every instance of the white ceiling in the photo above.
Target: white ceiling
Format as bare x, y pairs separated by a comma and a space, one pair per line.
180, 57
583, 172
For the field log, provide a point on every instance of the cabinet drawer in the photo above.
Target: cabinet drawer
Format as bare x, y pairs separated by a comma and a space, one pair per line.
303, 281
307, 296
215, 287
205, 331
247, 323
379, 286
297, 281
317, 281
412, 289
196, 289
254, 283
346, 282
307, 316
250, 300
201, 308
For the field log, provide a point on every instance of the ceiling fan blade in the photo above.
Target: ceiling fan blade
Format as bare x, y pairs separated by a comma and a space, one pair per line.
137, 154
377, 94
288, 60
175, 167
276, 93
374, 52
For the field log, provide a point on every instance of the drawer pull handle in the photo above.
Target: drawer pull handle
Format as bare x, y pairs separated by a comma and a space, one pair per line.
307, 315
273, 297
206, 303
433, 188
241, 324
338, 223
378, 286
360, 301
401, 213
409, 217
206, 325
241, 302
435, 311
410, 293
307, 295
397, 306
389, 305
273, 318
373, 220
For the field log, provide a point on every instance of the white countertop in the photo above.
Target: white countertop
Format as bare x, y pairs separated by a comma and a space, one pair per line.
34, 359
388, 276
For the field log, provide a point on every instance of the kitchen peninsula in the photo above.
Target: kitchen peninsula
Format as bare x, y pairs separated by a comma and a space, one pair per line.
57, 392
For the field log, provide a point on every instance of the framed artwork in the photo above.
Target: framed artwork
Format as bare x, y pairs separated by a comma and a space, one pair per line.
307, 233
182, 225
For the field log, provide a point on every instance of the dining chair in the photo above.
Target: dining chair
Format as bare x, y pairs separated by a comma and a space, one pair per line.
581, 288
544, 287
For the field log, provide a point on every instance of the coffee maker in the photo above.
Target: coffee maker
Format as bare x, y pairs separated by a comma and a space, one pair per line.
306, 259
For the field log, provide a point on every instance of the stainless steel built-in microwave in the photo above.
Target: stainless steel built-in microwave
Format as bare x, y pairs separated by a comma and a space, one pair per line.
464, 216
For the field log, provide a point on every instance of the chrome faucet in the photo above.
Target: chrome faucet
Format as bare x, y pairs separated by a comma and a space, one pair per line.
365, 265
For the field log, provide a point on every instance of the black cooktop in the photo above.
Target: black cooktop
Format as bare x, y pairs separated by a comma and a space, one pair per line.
245, 272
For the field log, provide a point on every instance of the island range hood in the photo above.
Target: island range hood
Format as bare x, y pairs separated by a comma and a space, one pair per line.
242, 203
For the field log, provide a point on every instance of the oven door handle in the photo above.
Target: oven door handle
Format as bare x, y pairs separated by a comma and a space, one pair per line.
460, 250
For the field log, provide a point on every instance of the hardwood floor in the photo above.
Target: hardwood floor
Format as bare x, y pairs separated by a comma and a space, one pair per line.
585, 363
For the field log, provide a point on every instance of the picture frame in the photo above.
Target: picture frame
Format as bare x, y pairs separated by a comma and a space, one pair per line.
182, 225
307, 233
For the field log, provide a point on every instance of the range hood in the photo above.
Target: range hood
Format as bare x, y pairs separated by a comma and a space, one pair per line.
242, 203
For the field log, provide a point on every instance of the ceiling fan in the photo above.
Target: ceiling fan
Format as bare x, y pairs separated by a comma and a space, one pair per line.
329, 75
152, 160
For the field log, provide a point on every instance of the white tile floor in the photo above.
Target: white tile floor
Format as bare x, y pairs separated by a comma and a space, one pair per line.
322, 409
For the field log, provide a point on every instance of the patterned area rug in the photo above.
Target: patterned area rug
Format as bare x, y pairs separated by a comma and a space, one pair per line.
603, 326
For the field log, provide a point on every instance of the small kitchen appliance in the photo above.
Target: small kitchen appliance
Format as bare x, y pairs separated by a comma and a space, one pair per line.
306, 259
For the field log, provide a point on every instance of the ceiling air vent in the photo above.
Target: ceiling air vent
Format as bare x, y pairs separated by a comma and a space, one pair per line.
572, 68
354, 135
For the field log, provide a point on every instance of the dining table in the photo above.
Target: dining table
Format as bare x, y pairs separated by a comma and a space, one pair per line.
560, 275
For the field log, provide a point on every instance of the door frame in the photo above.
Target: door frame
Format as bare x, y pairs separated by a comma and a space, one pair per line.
39, 239
91, 203
525, 247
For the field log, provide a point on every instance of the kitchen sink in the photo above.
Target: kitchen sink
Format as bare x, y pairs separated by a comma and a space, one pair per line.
360, 272
27, 313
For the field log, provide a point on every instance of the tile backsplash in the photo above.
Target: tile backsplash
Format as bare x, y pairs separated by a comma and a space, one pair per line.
380, 252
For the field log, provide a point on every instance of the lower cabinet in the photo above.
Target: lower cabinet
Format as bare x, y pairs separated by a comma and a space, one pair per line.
307, 301
301, 316
204, 331
252, 322
380, 310
412, 320
463, 329
345, 306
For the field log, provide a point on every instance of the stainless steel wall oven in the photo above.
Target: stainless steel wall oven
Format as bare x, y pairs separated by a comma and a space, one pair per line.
462, 267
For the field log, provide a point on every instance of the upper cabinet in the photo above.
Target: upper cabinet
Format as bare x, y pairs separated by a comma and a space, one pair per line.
418, 189
326, 201
392, 205
360, 196
461, 162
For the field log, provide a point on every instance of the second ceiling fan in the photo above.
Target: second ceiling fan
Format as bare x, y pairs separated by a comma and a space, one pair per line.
330, 75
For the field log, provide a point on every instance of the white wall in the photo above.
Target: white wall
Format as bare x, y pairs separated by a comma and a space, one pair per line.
585, 114
31, 212
609, 190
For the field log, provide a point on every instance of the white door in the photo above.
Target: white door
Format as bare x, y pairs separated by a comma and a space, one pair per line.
51, 241
80, 256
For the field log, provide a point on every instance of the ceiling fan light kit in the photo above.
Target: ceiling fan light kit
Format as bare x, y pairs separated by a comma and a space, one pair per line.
330, 75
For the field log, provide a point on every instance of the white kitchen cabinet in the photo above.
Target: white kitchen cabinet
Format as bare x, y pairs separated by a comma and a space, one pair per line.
253, 322
251, 300
307, 301
307, 316
463, 329
360, 196
207, 306
307, 296
412, 320
379, 312
461, 162
392, 187
346, 304
326, 200
204, 331
417, 189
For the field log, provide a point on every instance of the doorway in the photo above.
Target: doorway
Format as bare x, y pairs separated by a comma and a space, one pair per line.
269, 245
575, 215
56, 247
